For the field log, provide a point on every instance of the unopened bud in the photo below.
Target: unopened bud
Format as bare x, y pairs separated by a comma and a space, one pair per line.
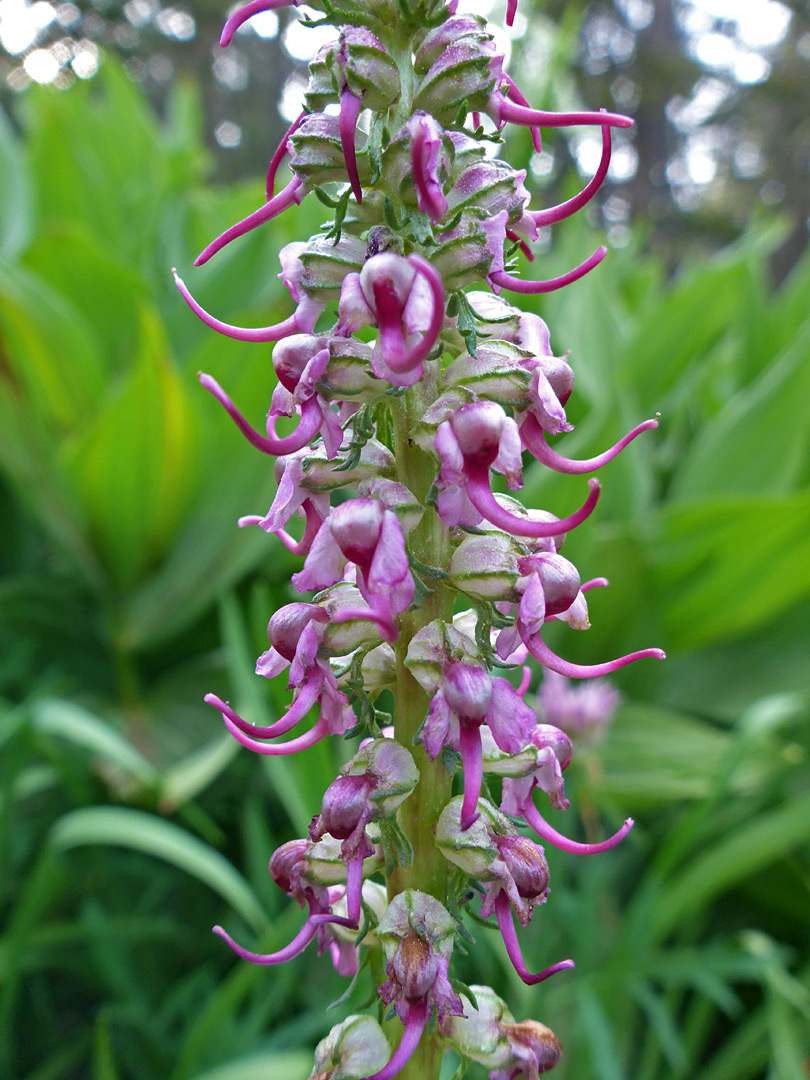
464, 71
326, 264
342, 638
558, 577
497, 373
319, 471
486, 567
353, 1049
390, 768
316, 154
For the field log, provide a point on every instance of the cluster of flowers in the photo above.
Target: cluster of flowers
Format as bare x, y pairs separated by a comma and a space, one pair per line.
409, 390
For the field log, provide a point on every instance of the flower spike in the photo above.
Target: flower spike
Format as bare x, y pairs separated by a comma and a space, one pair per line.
534, 440
242, 14
499, 279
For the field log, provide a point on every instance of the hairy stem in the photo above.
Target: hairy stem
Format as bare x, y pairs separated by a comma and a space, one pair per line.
419, 813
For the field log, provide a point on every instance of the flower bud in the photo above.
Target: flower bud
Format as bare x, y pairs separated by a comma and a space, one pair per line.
489, 1035
389, 769
353, 1049
526, 863
343, 809
288, 623
498, 373
285, 860
326, 264
486, 567
342, 638
316, 153
319, 471
558, 577
465, 70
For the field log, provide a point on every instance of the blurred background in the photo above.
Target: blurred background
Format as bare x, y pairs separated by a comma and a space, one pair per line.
129, 823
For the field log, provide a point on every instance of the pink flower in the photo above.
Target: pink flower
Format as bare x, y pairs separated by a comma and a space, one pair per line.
404, 298
465, 698
363, 532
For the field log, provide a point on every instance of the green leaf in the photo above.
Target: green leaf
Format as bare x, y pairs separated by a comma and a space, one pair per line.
108, 291
715, 570
289, 1065
185, 780
16, 216
133, 465
104, 1067
744, 448
55, 717
139, 831
733, 859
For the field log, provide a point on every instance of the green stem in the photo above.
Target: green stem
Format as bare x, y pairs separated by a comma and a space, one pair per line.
419, 813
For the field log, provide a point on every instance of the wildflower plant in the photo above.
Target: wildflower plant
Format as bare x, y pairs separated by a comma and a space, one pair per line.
412, 379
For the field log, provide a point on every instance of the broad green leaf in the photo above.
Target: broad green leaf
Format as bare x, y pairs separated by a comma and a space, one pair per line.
97, 159
760, 440
723, 567
654, 756
286, 1065
187, 778
133, 465
16, 216
678, 329
54, 364
108, 291
139, 831
733, 859
69, 721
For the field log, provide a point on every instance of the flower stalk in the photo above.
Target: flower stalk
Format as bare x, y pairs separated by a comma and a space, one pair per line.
448, 385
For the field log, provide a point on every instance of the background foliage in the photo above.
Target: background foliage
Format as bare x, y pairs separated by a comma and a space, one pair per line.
129, 823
